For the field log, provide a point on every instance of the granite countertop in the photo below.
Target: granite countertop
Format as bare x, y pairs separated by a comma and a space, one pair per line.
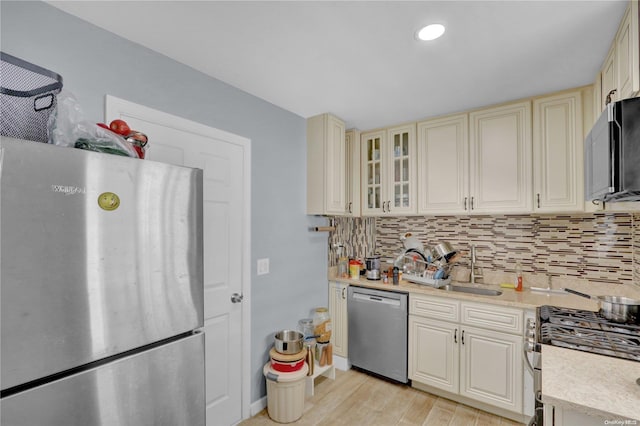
525, 299
597, 385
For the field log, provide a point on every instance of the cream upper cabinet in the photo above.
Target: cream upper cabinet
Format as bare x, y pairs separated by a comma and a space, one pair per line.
402, 170
621, 68
608, 80
443, 165
501, 159
388, 171
326, 166
558, 152
627, 53
372, 172
352, 146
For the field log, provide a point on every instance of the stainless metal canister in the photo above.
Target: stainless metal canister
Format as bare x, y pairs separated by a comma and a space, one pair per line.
373, 267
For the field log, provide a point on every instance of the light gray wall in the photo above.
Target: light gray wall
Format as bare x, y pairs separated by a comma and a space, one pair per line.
94, 62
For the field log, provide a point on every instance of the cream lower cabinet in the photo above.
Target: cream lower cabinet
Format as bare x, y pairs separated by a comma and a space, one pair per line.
559, 416
476, 353
491, 367
338, 314
434, 353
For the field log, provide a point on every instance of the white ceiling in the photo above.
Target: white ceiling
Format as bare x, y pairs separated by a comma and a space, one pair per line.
360, 61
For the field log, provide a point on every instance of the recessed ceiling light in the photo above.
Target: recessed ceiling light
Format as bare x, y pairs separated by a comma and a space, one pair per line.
430, 32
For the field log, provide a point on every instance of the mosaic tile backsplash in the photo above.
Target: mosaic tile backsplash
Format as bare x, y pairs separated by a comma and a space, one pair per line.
599, 247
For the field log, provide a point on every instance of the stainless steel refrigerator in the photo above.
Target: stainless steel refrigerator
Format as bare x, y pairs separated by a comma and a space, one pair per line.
101, 287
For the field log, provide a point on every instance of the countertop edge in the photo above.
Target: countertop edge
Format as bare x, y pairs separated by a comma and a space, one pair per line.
590, 411
525, 299
570, 378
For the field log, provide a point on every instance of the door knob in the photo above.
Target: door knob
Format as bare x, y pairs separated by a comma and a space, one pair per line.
236, 298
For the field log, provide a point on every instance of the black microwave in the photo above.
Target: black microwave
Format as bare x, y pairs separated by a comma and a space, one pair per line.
612, 154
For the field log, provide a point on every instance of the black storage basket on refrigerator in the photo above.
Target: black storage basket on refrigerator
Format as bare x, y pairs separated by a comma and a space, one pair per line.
27, 98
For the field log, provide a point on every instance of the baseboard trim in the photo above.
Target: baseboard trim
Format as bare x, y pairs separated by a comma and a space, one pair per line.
258, 406
341, 363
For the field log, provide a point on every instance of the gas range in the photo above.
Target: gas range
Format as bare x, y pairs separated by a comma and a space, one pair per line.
587, 331
574, 329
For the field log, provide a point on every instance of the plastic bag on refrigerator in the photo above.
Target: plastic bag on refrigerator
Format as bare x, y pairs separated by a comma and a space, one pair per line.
68, 127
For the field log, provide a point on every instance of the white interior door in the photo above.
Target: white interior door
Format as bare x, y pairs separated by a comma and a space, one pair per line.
225, 161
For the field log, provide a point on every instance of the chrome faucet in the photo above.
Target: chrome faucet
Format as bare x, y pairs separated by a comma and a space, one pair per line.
474, 276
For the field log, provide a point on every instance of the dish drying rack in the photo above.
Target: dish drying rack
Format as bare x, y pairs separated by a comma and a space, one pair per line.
419, 271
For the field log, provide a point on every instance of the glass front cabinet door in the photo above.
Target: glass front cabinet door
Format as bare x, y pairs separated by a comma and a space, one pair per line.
372, 172
389, 171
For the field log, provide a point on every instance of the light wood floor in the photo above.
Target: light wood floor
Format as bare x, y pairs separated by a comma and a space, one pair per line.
356, 398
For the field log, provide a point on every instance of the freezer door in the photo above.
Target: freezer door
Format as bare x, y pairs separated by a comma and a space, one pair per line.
100, 254
163, 386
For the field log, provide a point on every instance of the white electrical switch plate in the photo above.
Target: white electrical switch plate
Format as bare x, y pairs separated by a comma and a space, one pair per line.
263, 266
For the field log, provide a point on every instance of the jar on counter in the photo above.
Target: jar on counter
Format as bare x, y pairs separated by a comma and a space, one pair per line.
322, 325
354, 269
305, 326
343, 265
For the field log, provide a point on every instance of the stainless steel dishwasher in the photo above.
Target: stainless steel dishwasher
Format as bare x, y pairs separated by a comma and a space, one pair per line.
378, 331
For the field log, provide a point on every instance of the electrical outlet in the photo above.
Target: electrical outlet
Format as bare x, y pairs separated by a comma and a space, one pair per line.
263, 266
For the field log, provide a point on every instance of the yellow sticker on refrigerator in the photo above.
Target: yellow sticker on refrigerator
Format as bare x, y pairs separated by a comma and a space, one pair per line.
108, 201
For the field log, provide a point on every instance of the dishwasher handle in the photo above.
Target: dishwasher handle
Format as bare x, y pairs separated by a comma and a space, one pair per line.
376, 299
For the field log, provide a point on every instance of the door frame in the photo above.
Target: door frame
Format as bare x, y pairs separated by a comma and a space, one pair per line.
115, 107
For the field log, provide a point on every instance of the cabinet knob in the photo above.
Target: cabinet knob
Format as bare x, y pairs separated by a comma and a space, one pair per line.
462, 337
465, 203
538, 196
471, 203
531, 324
455, 336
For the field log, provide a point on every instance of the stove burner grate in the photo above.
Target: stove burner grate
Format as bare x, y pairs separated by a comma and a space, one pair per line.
587, 331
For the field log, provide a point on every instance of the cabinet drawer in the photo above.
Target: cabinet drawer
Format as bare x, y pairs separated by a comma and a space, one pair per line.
493, 317
434, 307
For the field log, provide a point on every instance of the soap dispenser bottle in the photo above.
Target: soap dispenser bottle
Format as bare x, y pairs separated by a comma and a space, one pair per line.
518, 282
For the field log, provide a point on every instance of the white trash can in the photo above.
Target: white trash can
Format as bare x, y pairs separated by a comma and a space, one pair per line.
285, 393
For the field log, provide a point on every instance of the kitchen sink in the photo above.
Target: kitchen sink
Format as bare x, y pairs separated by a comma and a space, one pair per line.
472, 290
